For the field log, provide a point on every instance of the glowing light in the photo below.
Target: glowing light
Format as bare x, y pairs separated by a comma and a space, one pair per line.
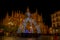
10, 23
21, 19
56, 30
31, 27
31, 21
28, 14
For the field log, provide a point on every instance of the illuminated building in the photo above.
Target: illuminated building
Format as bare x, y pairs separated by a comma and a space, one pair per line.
55, 19
18, 18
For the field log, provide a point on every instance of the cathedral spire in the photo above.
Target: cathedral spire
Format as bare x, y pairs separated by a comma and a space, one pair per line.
15, 14
19, 11
7, 15
27, 9
36, 11
12, 13
28, 12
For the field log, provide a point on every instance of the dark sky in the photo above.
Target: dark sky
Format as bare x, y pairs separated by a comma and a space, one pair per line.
44, 7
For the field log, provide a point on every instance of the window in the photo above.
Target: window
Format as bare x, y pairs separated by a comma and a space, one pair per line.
53, 31
53, 17
53, 21
53, 25
57, 20
56, 15
56, 30
58, 24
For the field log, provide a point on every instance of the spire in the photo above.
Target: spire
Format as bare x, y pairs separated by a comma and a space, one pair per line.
15, 14
7, 15
19, 11
28, 12
12, 13
27, 9
36, 11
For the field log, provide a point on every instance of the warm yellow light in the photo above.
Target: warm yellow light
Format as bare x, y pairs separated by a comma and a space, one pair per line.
56, 30
10, 23
21, 19
31, 27
50, 30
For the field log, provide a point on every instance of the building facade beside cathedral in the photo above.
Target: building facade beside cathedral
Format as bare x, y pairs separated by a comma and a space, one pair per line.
55, 27
55, 19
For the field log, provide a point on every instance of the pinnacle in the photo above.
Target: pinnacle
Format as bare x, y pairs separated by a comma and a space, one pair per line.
36, 11
27, 9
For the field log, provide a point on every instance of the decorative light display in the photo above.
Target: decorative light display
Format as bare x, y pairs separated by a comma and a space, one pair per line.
28, 19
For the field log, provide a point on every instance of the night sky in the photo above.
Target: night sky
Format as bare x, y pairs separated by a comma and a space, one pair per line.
46, 8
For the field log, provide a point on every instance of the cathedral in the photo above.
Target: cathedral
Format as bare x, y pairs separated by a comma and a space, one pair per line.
25, 23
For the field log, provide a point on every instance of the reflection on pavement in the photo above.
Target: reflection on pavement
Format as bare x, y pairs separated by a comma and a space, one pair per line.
17, 38
39, 38
30, 38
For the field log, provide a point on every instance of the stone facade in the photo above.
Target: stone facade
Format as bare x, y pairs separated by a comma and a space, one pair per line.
17, 19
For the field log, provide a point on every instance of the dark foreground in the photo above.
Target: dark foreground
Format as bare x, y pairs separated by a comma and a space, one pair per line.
30, 37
